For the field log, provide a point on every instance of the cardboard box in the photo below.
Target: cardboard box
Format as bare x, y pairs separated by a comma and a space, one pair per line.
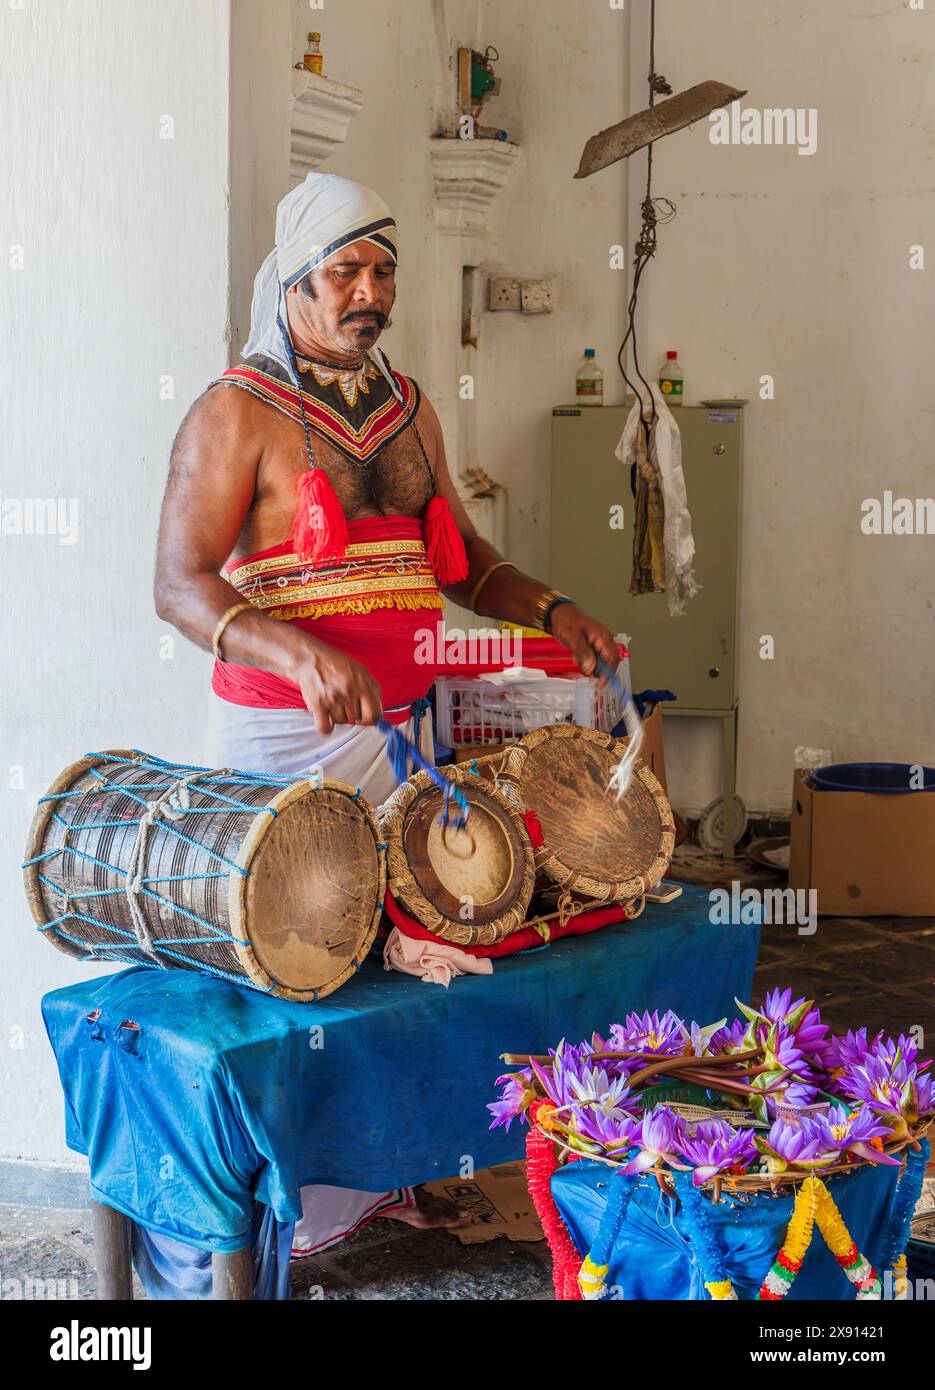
866, 854
652, 751
498, 1200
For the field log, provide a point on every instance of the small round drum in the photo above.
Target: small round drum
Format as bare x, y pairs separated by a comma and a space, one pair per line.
594, 846
277, 883
470, 886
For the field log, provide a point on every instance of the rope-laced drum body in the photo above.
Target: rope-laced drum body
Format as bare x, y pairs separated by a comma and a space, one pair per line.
469, 884
594, 846
277, 883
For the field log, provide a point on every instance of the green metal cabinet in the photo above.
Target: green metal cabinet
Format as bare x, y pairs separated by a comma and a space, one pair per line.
694, 655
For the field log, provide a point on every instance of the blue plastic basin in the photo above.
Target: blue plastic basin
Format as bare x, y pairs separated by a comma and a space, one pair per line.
888, 778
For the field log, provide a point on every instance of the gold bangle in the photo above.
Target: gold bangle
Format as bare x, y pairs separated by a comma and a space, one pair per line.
543, 603
483, 580
219, 630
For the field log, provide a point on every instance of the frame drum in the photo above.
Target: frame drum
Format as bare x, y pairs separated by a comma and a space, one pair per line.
594, 846
470, 886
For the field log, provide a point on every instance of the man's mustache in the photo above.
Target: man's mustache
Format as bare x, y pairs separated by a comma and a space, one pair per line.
377, 314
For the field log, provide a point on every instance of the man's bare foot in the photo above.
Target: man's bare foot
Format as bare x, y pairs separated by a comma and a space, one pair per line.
430, 1213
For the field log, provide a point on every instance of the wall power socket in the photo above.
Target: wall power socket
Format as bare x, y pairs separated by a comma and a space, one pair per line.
506, 293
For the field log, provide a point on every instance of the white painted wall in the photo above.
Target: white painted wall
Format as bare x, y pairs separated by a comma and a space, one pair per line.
553, 54
124, 281
260, 113
799, 267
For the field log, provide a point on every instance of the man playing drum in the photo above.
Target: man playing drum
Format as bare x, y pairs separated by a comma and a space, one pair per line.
319, 486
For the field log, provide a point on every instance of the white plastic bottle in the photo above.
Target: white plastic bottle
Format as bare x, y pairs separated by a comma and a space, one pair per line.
589, 383
672, 380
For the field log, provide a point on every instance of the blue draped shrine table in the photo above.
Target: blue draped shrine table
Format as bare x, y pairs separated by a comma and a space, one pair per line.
218, 1095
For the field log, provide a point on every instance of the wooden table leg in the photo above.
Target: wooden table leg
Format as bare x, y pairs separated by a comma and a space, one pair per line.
232, 1275
111, 1231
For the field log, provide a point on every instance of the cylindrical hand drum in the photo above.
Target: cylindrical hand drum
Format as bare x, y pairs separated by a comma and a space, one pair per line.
593, 845
277, 883
470, 886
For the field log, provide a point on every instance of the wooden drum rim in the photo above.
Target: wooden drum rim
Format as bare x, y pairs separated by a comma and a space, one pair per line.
36, 838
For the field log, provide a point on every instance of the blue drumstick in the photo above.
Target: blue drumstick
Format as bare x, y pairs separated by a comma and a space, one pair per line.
401, 746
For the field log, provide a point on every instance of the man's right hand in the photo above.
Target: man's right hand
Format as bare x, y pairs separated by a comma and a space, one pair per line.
337, 689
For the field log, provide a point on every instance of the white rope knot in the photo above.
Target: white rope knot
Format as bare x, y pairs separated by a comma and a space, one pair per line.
173, 804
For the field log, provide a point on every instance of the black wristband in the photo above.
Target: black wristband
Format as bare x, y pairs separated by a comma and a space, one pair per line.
547, 619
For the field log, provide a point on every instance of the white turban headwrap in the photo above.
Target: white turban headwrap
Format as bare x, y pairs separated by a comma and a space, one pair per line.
316, 220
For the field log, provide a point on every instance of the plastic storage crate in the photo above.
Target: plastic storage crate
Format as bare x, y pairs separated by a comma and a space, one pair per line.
473, 711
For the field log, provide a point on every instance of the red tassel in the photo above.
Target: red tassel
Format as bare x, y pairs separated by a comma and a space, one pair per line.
534, 829
444, 544
319, 531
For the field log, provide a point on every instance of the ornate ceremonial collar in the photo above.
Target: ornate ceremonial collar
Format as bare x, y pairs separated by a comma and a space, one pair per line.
356, 409
351, 381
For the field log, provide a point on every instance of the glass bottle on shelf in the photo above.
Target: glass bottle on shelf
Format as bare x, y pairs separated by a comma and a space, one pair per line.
313, 60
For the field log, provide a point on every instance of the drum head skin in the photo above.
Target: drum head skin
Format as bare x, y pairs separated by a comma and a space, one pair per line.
594, 845
315, 878
470, 886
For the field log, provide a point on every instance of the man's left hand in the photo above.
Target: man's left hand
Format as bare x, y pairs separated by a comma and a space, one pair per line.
584, 636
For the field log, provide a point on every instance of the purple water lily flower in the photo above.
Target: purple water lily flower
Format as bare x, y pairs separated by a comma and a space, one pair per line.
660, 1137
781, 1055
903, 1048
649, 1033
777, 1005
892, 1088
851, 1133
602, 1131
715, 1146
698, 1040
518, 1094
799, 1022
795, 1145
553, 1077
574, 1078
811, 1036
731, 1038
878, 1083
924, 1097
849, 1049
796, 1093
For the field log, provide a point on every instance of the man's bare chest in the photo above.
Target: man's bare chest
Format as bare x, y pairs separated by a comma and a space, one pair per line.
396, 481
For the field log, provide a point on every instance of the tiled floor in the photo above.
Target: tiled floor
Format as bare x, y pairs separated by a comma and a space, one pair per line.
877, 972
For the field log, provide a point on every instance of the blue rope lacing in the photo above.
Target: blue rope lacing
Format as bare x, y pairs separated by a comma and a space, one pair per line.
206, 785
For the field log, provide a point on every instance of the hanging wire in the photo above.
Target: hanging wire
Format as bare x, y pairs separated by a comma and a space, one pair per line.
654, 211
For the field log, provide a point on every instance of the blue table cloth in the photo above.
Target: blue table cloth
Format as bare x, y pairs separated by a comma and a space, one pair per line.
220, 1094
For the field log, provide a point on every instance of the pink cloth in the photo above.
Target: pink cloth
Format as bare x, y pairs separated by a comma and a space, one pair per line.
435, 962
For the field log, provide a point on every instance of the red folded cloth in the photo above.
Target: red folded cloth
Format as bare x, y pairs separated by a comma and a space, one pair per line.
591, 919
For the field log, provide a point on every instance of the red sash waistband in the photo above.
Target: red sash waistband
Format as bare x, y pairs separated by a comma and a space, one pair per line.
385, 566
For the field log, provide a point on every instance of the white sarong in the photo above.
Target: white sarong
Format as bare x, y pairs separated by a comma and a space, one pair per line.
286, 742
